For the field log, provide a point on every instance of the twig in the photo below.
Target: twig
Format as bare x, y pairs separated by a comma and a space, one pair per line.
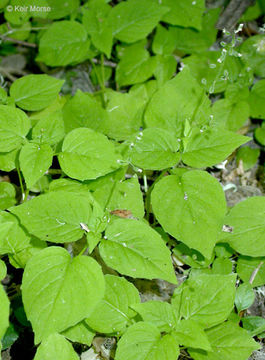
19, 42
106, 63
232, 13
255, 271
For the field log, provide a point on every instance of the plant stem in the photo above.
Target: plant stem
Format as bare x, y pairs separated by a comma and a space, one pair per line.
21, 183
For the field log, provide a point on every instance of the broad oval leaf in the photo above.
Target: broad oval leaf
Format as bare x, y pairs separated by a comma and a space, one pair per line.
113, 313
87, 154
80, 333
35, 92
56, 216
133, 20
57, 347
142, 341
229, 342
247, 266
192, 210
58, 292
65, 42
35, 160
14, 126
207, 299
210, 147
154, 149
247, 220
135, 249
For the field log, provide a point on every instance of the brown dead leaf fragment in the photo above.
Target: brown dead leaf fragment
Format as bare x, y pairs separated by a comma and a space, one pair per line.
124, 214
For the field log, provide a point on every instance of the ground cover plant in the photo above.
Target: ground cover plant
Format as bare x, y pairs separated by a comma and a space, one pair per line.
127, 130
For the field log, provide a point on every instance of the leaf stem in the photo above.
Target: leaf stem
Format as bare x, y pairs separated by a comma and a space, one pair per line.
21, 183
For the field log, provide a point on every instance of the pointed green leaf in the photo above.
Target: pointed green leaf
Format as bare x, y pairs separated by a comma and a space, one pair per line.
142, 341
58, 292
14, 126
112, 313
35, 92
154, 149
229, 342
248, 223
80, 333
192, 210
210, 147
65, 42
207, 299
49, 129
34, 161
56, 216
133, 20
135, 249
87, 154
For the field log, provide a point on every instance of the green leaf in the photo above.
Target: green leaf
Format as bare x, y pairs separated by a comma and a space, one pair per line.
56, 216
14, 126
135, 249
248, 156
8, 160
58, 292
83, 111
207, 299
35, 92
168, 108
187, 14
112, 313
165, 68
245, 297
229, 342
133, 20
164, 42
34, 161
193, 41
60, 9
95, 20
256, 100
253, 54
222, 266
214, 73
4, 312
49, 129
247, 266
203, 148
154, 149
11, 335
158, 313
87, 154
192, 209
125, 113
80, 333
55, 346
65, 42
190, 333
142, 342
260, 134
255, 325
248, 223
228, 115
13, 238
7, 195
122, 195
136, 66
